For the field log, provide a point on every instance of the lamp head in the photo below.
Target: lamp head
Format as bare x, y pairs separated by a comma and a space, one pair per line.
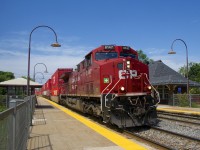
56, 45
171, 52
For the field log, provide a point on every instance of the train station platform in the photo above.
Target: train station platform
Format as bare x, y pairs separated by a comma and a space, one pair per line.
58, 128
180, 110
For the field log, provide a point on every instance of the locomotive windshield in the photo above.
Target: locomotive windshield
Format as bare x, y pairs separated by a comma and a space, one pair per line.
128, 55
105, 55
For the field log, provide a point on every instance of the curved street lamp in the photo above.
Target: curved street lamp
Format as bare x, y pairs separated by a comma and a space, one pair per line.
39, 80
34, 70
39, 73
56, 44
173, 52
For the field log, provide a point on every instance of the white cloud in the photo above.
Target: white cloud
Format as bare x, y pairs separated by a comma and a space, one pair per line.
18, 64
174, 61
14, 56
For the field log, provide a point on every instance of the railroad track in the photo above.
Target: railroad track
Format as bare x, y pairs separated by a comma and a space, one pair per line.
180, 118
166, 139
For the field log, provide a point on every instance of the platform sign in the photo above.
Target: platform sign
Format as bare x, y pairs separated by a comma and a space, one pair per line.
179, 90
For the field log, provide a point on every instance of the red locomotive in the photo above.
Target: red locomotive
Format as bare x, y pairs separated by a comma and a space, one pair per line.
113, 84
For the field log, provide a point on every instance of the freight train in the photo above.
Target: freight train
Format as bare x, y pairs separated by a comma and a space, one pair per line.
110, 83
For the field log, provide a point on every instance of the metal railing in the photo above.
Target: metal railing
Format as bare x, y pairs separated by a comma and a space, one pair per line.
5, 99
185, 100
15, 123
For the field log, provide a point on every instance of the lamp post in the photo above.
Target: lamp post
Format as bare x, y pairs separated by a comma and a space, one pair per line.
173, 52
39, 78
39, 73
56, 44
34, 70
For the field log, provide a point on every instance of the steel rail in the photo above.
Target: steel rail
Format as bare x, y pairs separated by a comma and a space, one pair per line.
148, 140
190, 139
178, 120
190, 116
177, 134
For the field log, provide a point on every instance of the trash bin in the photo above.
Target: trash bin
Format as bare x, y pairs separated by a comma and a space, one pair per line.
15, 102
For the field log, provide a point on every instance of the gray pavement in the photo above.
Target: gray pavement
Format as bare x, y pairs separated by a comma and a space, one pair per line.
55, 130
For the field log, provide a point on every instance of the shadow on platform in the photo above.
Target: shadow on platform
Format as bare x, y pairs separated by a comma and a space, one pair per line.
44, 106
36, 142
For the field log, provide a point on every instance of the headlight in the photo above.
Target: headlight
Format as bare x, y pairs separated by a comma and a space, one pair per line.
149, 87
128, 66
122, 88
128, 62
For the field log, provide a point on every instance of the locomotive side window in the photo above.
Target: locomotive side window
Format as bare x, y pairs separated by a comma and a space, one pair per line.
128, 55
120, 66
105, 55
83, 64
88, 60
78, 67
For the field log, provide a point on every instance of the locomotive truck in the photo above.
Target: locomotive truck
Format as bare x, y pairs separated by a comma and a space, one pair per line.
110, 83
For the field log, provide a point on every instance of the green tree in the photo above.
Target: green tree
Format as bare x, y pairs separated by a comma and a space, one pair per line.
26, 78
193, 71
143, 57
183, 70
4, 76
193, 74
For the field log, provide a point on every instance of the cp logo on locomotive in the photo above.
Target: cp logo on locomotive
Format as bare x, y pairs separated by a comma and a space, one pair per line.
126, 74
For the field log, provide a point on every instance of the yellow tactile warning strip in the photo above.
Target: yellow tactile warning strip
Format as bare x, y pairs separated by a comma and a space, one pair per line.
112, 136
173, 110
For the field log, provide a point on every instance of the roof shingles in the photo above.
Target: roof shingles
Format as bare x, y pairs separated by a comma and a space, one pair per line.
161, 74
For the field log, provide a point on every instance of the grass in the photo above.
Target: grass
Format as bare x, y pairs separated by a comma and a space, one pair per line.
2, 108
183, 101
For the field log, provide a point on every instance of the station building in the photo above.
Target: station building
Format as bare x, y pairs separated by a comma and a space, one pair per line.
18, 86
167, 81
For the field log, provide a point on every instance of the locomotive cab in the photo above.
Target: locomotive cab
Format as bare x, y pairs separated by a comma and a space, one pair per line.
126, 99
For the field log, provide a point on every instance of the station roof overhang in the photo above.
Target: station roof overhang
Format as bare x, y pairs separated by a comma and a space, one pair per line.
19, 82
176, 83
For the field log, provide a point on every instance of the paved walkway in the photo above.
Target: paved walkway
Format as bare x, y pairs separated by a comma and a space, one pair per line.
53, 129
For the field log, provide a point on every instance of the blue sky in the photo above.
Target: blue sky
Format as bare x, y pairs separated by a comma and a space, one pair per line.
82, 25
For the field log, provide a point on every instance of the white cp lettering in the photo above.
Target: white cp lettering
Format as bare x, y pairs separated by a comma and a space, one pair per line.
126, 74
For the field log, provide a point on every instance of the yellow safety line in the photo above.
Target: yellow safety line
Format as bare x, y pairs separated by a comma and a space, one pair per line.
179, 111
112, 136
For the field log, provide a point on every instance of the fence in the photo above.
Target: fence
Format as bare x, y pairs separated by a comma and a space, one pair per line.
15, 123
185, 100
5, 99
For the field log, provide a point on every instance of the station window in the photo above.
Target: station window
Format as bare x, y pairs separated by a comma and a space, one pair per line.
164, 92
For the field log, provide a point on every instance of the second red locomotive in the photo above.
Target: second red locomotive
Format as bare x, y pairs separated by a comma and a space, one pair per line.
113, 84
